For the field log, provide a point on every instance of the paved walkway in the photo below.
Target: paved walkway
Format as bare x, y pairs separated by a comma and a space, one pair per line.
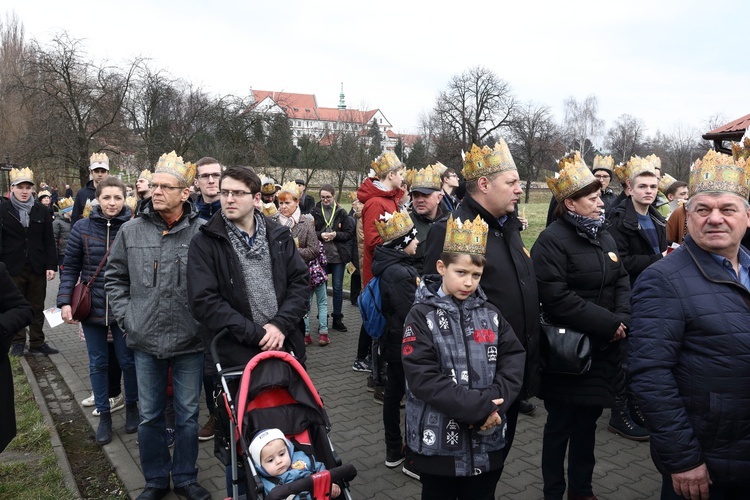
623, 470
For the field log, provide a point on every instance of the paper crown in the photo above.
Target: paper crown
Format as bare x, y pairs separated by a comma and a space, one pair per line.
43, 194
19, 175
666, 181
439, 168
392, 226
603, 162
170, 163
64, 203
90, 204
741, 150
486, 161
427, 178
574, 175
269, 209
146, 174
719, 173
99, 160
621, 172
386, 162
290, 187
131, 202
637, 165
654, 160
466, 237
267, 185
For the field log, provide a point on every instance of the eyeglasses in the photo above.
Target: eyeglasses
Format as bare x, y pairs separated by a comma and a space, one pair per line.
165, 187
212, 175
602, 176
235, 194
326, 197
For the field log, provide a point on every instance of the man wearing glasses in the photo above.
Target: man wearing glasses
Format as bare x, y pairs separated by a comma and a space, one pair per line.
602, 170
208, 172
146, 282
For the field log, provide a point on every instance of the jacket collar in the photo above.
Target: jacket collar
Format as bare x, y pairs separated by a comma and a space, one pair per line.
147, 212
708, 267
630, 220
473, 206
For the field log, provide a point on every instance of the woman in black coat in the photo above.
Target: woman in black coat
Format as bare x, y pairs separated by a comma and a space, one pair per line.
15, 313
582, 285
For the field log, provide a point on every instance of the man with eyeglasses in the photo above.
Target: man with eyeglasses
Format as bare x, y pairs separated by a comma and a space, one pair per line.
146, 282
208, 172
449, 179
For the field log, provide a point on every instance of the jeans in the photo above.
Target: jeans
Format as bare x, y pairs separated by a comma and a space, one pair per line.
336, 271
319, 292
187, 378
97, 345
34, 289
395, 387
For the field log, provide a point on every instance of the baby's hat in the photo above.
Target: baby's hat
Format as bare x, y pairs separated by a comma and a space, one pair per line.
261, 439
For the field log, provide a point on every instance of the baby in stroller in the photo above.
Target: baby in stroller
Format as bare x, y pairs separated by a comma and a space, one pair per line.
278, 462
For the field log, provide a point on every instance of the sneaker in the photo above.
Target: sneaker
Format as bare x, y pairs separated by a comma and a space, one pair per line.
116, 403
410, 473
526, 407
308, 339
394, 458
323, 339
370, 384
379, 396
89, 401
44, 350
360, 365
207, 431
17, 350
170, 437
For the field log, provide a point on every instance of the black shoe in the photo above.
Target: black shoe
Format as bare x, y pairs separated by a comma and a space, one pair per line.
44, 349
526, 407
338, 324
132, 418
394, 458
153, 493
193, 491
379, 396
621, 424
17, 350
104, 431
636, 415
370, 384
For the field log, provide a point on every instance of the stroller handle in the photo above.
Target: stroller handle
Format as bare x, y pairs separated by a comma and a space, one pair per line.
214, 343
345, 472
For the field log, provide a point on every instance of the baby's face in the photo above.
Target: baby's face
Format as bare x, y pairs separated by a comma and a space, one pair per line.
274, 457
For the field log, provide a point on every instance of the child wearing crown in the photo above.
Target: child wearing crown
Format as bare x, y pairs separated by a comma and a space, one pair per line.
464, 367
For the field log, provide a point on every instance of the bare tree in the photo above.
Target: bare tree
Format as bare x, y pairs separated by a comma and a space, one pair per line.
678, 150
582, 127
626, 138
312, 157
14, 119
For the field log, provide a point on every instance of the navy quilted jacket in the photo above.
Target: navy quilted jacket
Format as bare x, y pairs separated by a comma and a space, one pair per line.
689, 359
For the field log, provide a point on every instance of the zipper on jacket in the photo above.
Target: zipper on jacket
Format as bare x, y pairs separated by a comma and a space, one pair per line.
156, 268
468, 368
106, 296
179, 278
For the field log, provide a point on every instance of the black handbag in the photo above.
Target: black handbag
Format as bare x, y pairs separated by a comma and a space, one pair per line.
563, 350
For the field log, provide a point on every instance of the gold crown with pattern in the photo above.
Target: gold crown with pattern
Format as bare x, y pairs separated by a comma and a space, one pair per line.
43, 194
386, 162
438, 167
392, 226
267, 185
170, 163
90, 204
654, 160
666, 181
427, 177
486, 161
466, 237
64, 203
19, 175
719, 173
574, 175
637, 165
99, 160
603, 162
621, 172
269, 209
290, 187
741, 149
131, 202
146, 174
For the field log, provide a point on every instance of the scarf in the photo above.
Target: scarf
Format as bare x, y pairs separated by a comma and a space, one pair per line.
290, 222
24, 208
591, 226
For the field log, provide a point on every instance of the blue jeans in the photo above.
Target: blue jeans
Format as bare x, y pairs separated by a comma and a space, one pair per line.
336, 271
96, 343
319, 292
187, 378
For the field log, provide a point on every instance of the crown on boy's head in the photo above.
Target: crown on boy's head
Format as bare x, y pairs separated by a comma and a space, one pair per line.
466, 237
392, 226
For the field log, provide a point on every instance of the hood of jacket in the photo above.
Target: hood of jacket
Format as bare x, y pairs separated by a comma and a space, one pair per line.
385, 257
369, 190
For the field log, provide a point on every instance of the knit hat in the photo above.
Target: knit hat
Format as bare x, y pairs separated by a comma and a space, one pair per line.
261, 440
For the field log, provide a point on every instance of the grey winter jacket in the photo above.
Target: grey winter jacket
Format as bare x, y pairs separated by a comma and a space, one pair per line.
147, 286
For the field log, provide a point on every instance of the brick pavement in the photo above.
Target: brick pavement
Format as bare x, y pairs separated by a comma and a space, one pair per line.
623, 471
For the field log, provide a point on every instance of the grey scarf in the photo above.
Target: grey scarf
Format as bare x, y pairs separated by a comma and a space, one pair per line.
24, 208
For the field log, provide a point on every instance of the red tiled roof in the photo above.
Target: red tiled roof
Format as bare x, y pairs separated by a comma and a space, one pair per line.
408, 139
305, 107
287, 99
733, 128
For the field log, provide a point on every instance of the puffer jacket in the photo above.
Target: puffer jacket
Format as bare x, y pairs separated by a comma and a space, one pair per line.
147, 284
88, 242
398, 283
343, 227
376, 202
583, 285
457, 357
689, 362
61, 230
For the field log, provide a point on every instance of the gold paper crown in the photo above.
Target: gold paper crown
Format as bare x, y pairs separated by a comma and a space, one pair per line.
621, 172
486, 161
409, 176
90, 204
654, 160
131, 202
290, 187
428, 177
170, 163
717, 172
146, 174
741, 150
637, 165
64, 203
574, 175
439, 168
269, 209
392, 226
386, 162
267, 185
43, 193
19, 175
99, 158
603, 162
467, 237
666, 181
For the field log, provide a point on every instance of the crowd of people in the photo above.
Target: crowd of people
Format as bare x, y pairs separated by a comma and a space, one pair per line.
655, 279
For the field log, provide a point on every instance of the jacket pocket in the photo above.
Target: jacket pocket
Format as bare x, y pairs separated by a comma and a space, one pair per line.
147, 262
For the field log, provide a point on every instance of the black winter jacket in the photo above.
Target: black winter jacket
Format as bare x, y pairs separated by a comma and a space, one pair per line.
423, 225
689, 362
216, 291
88, 242
583, 285
632, 243
83, 195
508, 280
343, 226
34, 245
398, 282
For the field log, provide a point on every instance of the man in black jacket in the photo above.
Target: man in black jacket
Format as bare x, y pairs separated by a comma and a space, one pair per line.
29, 253
99, 168
492, 191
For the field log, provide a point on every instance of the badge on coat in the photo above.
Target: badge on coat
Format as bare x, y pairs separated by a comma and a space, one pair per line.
612, 256
428, 437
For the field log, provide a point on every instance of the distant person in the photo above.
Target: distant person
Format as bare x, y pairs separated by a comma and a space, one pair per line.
426, 208
68, 191
99, 170
208, 173
449, 180
143, 189
306, 202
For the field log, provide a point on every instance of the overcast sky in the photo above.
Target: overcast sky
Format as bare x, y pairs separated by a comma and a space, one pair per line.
666, 62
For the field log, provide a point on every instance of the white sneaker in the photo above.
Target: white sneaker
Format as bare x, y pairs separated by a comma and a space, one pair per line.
89, 401
117, 403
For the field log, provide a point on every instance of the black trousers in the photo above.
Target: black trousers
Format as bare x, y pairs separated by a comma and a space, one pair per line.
395, 388
570, 428
364, 343
34, 289
481, 487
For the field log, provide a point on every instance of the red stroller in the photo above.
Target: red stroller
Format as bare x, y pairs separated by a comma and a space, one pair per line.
275, 391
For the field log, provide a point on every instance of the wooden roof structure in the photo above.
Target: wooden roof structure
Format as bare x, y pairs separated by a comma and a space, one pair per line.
732, 131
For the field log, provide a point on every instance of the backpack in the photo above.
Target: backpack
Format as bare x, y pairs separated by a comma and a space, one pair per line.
369, 304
